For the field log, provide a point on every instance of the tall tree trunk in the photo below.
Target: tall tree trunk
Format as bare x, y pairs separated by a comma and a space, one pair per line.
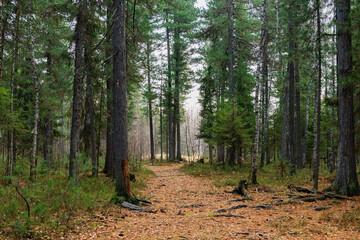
298, 117
231, 87
291, 73
109, 156
77, 92
284, 129
264, 75
12, 159
152, 151
48, 128
161, 121
230, 13
171, 137
307, 118
36, 91
121, 163
98, 140
346, 182
332, 86
256, 137
89, 106
264, 88
317, 102
177, 49
1, 39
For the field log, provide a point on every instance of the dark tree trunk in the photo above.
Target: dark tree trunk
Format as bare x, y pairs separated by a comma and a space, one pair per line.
77, 91
284, 129
317, 102
332, 86
89, 106
98, 140
346, 182
211, 154
291, 74
298, 118
220, 151
152, 150
161, 122
230, 12
177, 42
109, 156
171, 136
13, 146
48, 156
33, 160
264, 88
121, 163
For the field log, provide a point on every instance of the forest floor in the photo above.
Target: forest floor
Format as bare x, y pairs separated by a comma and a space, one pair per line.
186, 209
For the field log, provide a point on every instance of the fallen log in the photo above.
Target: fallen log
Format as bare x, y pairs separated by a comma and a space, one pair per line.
238, 206
265, 206
228, 215
301, 189
194, 205
136, 208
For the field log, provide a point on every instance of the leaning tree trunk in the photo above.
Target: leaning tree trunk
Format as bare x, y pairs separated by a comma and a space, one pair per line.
121, 163
346, 181
77, 91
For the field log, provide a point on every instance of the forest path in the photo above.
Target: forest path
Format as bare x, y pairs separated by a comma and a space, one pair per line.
174, 196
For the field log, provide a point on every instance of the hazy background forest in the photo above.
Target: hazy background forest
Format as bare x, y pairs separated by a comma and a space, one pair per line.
92, 93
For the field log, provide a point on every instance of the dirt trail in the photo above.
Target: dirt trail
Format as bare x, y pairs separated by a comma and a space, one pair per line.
171, 191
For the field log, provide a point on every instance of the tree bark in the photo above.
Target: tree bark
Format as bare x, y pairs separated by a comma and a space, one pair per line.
230, 12
48, 128
332, 143
77, 92
264, 88
284, 129
89, 106
121, 163
177, 49
317, 101
171, 137
291, 74
12, 159
298, 118
36, 91
109, 157
152, 151
256, 137
346, 182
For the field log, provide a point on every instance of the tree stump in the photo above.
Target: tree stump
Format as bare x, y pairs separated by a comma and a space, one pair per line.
240, 189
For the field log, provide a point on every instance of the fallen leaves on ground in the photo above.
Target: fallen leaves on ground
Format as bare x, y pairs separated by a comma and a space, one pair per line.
186, 207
